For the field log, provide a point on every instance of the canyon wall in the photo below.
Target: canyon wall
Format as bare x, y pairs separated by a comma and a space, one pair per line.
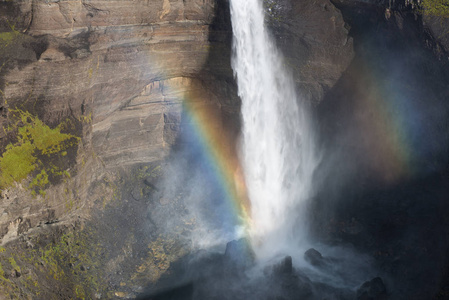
117, 71
118, 75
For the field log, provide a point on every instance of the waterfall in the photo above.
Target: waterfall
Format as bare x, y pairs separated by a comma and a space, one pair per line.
277, 148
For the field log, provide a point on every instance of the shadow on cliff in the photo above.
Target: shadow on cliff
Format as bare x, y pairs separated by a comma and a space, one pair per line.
383, 182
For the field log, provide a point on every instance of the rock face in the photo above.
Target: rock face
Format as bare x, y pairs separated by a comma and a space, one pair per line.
122, 71
314, 40
438, 29
124, 64
372, 290
122, 74
313, 257
239, 253
379, 188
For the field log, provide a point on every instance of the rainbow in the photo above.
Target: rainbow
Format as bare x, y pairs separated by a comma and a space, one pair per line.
218, 150
397, 127
215, 145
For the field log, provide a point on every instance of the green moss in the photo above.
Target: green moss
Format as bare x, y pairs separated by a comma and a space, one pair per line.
45, 139
7, 38
437, 8
13, 263
17, 163
74, 260
35, 141
149, 171
39, 182
79, 292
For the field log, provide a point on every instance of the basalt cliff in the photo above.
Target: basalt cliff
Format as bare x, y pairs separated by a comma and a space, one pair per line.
94, 96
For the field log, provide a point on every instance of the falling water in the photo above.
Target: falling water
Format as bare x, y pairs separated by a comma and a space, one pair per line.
277, 148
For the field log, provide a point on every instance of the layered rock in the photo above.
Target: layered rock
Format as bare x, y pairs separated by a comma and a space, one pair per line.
315, 41
119, 69
121, 72
100, 56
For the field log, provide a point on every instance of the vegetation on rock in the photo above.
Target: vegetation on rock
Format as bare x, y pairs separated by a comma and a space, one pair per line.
37, 150
73, 261
7, 38
436, 8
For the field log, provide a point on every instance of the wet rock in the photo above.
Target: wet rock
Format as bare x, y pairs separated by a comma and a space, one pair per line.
239, 253
314, 257
182, 292
354, 227
293, 288
285, 267
372, 290
438, 29
315, 42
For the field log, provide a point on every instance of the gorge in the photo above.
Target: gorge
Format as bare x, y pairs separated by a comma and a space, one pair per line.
153, 153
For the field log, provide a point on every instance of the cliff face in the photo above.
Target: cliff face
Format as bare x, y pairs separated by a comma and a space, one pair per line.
384, 129
117, 72
120, 62
315, 41
118, 75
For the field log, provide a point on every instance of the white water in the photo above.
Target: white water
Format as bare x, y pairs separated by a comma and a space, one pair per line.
277, 148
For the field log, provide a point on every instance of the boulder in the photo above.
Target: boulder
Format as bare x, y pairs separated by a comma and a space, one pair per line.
314, 257
284, 267
372, 290
239, 253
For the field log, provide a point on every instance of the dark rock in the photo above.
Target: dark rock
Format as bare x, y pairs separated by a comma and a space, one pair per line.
372, 290
293, 288
314, 257
437, 26
24, 226
183, 292
151, 185
285, 267
239, 253
17, 273
314, 41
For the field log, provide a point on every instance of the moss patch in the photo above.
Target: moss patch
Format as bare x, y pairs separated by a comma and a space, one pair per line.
16, 163
69, 267
8, 38
38, 148
436, 8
